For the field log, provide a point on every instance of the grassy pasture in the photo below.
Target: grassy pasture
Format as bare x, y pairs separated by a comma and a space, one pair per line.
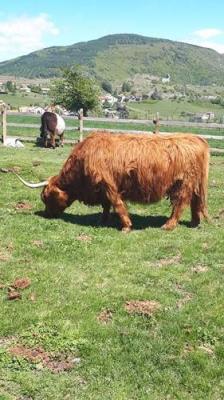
74, 134
81, 276
25, 99
172, 108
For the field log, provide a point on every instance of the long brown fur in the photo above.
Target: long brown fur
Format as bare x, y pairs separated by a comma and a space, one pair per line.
109, 169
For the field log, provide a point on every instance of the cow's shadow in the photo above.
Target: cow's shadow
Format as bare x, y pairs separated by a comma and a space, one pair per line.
94, 220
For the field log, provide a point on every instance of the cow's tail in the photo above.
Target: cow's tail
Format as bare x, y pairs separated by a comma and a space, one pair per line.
204, 185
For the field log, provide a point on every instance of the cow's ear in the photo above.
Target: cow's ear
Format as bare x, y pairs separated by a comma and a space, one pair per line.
60, 194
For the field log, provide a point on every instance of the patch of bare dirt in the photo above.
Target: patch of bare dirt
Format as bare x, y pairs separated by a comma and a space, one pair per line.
14, 289
213, 184
198, 269
12, 169
36, 163
32, 297
105, 316
220, 214
21, 283
5, 341
4, 255
186, 296
37, 354
206, 349
59, 366
10, 246
165, 262
84, 238
188, 349
43, 359
144, 307
23, 205
38, 243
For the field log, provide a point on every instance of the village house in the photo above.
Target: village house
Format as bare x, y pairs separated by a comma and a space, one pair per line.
108, 98
25, 89
45, 90
203, 117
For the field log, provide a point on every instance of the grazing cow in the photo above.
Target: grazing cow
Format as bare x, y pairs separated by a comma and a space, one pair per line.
55, 125
109, 169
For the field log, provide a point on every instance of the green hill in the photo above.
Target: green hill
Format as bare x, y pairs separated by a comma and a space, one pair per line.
122, 56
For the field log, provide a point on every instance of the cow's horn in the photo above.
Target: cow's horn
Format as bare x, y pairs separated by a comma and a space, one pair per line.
31, 185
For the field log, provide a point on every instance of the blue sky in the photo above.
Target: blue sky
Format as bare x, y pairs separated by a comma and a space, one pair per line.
27, 26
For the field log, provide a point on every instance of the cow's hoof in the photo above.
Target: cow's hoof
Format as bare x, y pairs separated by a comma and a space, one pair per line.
169, 226
194, 224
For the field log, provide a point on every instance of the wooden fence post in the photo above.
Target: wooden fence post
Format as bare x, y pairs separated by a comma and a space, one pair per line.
80, 116
156, 123
3, 109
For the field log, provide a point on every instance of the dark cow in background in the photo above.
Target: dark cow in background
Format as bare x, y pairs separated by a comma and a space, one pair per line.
109, 169
53, 124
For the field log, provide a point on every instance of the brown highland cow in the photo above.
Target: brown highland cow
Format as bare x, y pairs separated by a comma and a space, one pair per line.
109, 169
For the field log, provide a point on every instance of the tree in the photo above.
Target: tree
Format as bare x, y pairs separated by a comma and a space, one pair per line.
156, 95
35, 88
10, 86
126, 87
75, 90
106, 85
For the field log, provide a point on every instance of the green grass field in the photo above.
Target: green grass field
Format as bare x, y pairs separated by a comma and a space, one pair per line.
25, 99
76, 311
74, 134
172, 109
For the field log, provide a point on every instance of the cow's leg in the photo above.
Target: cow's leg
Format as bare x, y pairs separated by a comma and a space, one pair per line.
175, 216
62, 139
180, 199
53, 139
106, 212
45, 141
120, 208
195, 210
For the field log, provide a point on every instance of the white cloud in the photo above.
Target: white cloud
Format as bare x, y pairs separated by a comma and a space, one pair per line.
219, 47
211, 38
208, 33
21, 35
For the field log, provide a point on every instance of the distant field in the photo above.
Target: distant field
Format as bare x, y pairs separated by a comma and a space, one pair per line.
29, 99
171, 109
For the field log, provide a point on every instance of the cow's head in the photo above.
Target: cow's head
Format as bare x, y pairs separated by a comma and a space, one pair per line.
55, 199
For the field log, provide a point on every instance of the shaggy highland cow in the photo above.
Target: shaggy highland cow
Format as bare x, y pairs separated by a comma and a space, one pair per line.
109, 169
